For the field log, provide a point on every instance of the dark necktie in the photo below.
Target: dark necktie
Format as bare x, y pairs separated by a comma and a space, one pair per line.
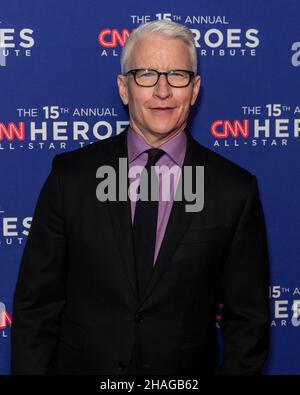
144, 225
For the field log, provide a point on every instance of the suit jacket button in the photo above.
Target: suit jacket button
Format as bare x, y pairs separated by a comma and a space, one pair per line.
139, 317
122, 365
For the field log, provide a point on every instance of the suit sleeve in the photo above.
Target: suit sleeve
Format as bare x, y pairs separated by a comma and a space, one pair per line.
245, 323
40, 292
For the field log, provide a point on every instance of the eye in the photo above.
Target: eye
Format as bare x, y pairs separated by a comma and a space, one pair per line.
178, 73
146, 73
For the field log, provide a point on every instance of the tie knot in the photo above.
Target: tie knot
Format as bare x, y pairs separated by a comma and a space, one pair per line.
153, 155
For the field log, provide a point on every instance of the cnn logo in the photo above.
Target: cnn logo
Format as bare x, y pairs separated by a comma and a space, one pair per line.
5, 318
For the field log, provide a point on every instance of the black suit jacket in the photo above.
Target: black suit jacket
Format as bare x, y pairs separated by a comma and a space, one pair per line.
76, 309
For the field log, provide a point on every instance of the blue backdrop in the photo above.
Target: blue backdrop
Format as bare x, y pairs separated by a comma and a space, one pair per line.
58, 66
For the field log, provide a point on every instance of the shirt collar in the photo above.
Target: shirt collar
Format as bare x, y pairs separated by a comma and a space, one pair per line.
175, 147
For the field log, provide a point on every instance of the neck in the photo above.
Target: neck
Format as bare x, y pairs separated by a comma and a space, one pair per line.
155, 140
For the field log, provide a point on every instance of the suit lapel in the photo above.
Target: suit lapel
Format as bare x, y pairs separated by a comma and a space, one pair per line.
179, 220
120, 212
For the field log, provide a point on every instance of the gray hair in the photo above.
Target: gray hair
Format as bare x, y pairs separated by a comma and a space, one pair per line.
164, 28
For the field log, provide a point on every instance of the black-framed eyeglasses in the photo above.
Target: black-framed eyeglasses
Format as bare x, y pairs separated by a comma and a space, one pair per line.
149, 77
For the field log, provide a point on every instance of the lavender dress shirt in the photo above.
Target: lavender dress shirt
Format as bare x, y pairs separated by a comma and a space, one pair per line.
175, 152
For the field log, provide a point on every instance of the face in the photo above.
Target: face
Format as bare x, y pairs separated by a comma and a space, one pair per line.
159, 112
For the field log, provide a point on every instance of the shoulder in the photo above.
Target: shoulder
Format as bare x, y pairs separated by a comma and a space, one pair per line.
89, 155
226, 176
224, 166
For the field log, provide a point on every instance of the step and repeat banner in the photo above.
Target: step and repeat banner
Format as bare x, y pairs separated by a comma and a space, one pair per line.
58, 66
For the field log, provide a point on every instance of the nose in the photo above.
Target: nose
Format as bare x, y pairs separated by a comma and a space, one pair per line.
162, 89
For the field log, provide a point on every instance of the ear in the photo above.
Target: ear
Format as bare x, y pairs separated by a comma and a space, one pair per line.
196, 89
123, 92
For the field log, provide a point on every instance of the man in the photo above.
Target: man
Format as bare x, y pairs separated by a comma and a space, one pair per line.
125, 287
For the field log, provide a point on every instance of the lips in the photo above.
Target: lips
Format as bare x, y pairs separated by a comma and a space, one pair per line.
162, 108
162, 111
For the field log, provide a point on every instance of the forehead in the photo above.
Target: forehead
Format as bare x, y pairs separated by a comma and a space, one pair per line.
159, 52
